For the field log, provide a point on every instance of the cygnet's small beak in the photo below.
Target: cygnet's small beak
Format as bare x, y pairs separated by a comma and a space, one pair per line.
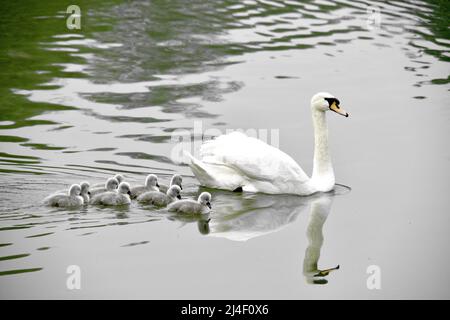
89, 193
129, 193
209, 205
179, 197
157, 184
334, 107
181, 187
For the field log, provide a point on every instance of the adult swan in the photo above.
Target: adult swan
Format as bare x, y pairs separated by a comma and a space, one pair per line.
240, 163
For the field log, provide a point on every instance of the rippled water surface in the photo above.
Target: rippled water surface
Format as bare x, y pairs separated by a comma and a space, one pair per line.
85, 104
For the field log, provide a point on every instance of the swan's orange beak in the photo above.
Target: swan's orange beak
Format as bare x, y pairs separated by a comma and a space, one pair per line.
334, 107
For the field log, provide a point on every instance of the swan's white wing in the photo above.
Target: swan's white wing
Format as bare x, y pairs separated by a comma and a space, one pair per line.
253, 157
244, 160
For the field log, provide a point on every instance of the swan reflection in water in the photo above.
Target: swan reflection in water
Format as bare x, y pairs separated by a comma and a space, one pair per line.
240, 217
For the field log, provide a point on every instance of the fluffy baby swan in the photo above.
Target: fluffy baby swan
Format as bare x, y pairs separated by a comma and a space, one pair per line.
151, 184
176, 180
73, 199
160, 199
201, 206
85, 193
118, 177
113, 198
110, 185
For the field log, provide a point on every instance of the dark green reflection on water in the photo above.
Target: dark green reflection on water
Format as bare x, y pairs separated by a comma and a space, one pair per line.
439, 25
18, 271
16, 256
25, 65
158, 37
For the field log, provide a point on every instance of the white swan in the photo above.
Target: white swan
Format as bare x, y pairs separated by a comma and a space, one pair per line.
175, 180
160, 199
151, 184
113, 198
237, 162
188, 206
73, 199
110, 185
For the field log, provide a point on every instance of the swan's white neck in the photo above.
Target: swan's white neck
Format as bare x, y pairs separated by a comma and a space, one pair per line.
322, 178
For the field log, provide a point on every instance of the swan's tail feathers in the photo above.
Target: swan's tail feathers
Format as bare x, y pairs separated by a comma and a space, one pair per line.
189, 155
199, 169
215, 175
197, 164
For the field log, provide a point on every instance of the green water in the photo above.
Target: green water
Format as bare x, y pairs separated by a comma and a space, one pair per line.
85, 104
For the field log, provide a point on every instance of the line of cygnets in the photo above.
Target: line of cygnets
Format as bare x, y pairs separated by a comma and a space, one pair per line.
118, 192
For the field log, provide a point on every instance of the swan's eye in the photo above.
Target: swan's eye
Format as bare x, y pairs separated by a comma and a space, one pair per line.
331, 101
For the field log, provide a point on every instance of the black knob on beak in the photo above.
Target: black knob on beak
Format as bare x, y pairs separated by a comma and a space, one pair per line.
208, 204
179, 196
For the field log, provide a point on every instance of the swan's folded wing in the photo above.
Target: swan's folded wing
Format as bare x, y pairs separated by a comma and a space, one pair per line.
252, 157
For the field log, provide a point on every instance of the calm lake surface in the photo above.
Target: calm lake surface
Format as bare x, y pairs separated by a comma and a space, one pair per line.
85, 104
